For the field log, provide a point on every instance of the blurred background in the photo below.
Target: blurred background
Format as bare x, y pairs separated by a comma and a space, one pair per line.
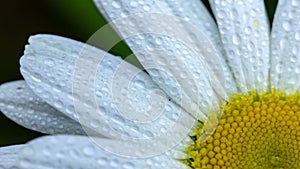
76, 19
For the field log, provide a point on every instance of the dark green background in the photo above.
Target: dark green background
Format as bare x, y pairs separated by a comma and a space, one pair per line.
77, 19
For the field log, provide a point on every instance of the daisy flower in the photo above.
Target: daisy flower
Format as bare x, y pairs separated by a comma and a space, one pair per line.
216, 95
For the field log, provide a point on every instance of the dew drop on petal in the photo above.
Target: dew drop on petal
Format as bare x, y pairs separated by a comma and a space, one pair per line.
222, 14
116, 4
102, 161
147, 8
297, 36
58, 104
286, 25
134, 4
114, 163
89, 151
279, 68
297, 70
158, 41
236, 39
49, 62
128, 165
295, 3
250, 46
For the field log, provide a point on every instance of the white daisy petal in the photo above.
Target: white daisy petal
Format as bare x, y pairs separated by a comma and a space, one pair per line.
192, 11
127, 101
9, 157
244, 30
21, 105
163, 34
77, 152
285, 60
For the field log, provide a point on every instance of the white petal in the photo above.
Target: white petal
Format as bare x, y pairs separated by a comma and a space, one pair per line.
192, 11
9, 157
21, 105
285, 60
176, 42
244, 30
80, 152
108, 94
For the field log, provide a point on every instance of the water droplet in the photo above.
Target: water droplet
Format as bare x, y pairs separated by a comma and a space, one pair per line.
250, 46
20, 107
147, 8
49, 62
286, 25
163, 129
297, 36
282, 43
221, 14
114, 163
295, 3
295, 50
259, 52
236, 39
116, 4
149, 134
128, 165
89, 151
35, 78
158, 41
58, 104
279, 68
102, 161
294, 58
297, 69
134, 4
141, 2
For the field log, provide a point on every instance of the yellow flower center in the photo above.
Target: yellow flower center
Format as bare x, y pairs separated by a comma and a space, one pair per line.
256, 131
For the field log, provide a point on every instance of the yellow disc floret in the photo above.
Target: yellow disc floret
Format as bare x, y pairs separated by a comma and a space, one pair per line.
256, 131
